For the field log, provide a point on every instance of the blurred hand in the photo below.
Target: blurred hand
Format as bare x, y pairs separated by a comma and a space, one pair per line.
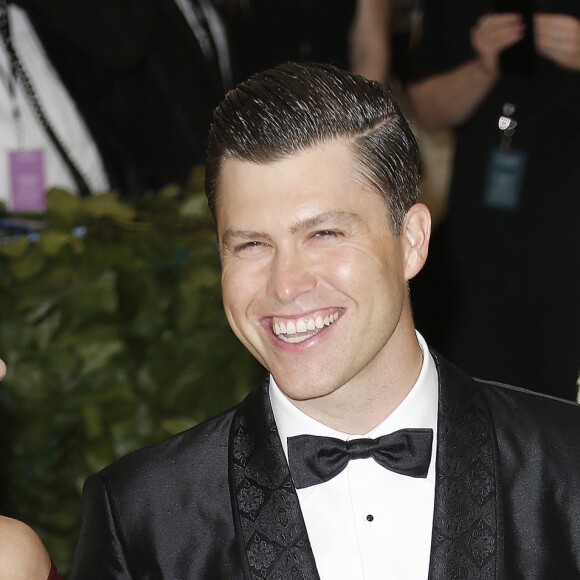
2, 369
493, 33
557, 37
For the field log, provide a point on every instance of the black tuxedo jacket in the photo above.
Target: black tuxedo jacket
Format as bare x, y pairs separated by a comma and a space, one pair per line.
218, 502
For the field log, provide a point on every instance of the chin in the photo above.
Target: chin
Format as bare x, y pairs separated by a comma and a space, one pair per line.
300, 390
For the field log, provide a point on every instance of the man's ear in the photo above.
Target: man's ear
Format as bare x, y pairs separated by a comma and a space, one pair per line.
415, 234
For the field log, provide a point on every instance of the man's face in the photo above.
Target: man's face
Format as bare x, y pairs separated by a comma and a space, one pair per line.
314, 283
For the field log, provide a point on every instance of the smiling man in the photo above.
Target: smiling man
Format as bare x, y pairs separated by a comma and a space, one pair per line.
363, 455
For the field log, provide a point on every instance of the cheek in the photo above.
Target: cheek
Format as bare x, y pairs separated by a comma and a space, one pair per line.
356, 268
230, 283
239, 288
344, 264
236, 301
344, 272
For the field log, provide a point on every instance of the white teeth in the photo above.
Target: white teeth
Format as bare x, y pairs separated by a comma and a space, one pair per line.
289, 329
294, 339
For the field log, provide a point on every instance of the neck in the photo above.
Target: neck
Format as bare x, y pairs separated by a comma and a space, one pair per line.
359, 406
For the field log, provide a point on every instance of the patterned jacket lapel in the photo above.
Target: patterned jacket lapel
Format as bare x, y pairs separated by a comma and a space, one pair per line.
467, 537
270, 529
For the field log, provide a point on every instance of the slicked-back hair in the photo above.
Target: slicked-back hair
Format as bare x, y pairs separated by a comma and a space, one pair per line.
293, 107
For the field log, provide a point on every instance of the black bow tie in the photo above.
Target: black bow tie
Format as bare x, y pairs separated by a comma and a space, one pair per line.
315, 459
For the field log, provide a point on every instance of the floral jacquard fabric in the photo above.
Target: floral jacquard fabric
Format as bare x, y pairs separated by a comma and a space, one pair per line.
465, 532
266, 507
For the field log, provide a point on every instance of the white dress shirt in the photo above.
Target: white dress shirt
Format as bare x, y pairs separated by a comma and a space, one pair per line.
59, 108
368, 522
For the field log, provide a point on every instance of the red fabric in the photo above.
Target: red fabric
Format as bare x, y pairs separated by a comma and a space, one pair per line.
54, 575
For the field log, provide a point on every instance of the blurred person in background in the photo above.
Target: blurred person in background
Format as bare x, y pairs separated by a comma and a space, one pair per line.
435, 148
506, 262
43, 137
114, 94
353, 34
405, 23
22, 554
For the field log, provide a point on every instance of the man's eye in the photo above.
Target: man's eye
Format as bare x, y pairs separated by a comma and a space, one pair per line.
327, 234
249, 246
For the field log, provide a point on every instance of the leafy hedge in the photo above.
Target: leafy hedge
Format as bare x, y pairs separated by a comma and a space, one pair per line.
112, 327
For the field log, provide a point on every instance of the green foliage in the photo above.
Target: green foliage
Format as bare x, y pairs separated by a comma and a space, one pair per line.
115, 338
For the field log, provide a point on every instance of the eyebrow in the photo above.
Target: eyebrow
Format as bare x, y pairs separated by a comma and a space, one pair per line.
343, 217
299, 225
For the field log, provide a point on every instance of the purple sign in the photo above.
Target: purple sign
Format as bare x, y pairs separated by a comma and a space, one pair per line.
27, 180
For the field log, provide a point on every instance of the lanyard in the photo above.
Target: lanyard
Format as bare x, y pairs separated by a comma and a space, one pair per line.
217, 29
9, 79
209, 31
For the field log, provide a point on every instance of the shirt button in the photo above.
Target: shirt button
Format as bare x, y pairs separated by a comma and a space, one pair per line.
370, 518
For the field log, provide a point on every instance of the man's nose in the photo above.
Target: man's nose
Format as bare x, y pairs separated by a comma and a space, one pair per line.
291, 275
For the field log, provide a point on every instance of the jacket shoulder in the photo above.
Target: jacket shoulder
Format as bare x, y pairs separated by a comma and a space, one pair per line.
535, 434
174, 493
521, 418
519, 408
203, 445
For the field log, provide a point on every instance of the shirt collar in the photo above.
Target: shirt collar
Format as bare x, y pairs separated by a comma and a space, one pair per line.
417, 410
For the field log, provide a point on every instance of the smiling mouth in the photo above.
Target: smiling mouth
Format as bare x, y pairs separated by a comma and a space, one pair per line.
301, 329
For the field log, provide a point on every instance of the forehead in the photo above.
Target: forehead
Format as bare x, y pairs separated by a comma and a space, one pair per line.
317, 172
322, 180
319, 175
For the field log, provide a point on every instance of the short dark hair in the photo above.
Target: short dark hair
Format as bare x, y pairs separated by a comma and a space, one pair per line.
293, 107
